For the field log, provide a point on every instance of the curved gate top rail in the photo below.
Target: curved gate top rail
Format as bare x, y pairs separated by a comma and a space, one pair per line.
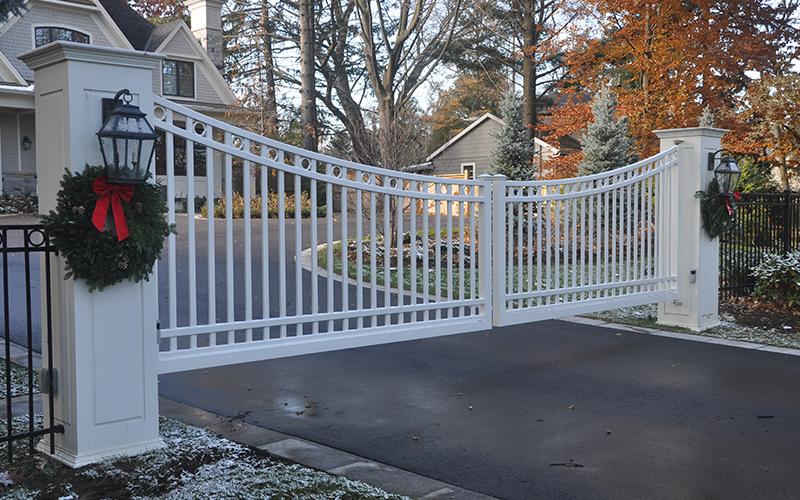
561, 189
242, 290
226, 139
334, 254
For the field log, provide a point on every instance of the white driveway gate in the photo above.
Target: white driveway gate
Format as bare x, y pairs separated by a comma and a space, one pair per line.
586, 244
437, 256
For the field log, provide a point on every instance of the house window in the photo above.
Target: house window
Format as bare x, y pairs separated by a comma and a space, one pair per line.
177, 78
47, 34
468, 169
179, 150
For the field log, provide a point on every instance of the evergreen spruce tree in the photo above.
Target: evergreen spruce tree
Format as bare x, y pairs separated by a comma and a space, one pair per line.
607, 145
707, 119
513, 152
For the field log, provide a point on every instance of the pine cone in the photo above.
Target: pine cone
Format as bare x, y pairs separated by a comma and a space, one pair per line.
78, 210
123, 262
139, 207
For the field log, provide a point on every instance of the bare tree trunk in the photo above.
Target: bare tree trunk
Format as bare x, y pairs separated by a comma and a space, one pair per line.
529, 65
269, 119
308, 107
333, 67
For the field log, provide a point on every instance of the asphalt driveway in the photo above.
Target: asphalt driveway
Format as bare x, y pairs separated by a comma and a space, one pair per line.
546, 410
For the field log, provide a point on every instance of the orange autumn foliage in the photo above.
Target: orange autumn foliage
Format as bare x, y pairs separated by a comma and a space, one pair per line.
775, 115
560, 167
160, 11
668, 60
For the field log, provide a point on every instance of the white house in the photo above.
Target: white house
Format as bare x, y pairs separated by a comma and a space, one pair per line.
470, 150
190, 74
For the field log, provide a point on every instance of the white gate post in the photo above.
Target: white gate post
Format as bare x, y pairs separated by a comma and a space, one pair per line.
497, 265
698, 255
104, 343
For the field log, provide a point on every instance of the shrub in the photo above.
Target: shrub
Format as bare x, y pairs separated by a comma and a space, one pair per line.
18, 204
779, 279
237, 206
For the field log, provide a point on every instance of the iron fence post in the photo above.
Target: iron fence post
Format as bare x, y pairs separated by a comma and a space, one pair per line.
787, 221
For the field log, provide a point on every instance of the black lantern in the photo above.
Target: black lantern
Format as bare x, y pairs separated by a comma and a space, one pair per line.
127, 141
726, 171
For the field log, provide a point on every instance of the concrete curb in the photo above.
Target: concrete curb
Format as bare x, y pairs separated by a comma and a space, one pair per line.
317, 456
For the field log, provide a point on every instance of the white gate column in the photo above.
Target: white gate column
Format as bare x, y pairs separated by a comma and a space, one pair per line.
104, 343
697, 257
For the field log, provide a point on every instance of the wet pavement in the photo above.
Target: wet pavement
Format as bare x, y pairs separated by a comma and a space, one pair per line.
547, 410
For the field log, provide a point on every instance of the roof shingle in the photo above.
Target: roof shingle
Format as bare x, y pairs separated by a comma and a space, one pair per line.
135, 28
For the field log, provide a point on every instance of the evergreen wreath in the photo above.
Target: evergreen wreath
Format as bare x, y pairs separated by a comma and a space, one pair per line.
717, 218
97, 256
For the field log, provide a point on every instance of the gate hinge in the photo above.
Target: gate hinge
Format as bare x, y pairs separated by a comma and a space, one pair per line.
48, 377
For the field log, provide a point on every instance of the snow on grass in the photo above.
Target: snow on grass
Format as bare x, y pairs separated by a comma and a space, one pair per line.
728, 329
19, 380
195, 464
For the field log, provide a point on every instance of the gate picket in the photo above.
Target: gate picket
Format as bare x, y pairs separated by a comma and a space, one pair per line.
416, 251
251, 289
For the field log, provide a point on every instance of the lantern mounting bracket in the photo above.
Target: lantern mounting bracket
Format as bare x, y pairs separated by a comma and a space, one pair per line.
712, 157
112, 103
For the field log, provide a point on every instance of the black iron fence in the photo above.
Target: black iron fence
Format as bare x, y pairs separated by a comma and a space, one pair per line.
22, 302
765, 223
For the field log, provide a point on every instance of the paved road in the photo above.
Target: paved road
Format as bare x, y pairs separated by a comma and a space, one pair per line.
548, 410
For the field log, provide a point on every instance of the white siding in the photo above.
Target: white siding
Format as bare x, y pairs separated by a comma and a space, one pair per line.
9, 146
18, 165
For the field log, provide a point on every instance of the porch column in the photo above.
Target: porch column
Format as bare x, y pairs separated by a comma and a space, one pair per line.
697, 254
104, 343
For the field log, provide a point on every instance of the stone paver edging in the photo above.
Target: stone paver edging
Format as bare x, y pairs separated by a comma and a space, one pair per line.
317, 456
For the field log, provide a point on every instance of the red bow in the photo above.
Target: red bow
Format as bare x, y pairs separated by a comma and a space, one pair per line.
111, 193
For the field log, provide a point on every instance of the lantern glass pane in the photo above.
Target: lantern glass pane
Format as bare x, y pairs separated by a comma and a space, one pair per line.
727, 175
124, 171
132, 125
109, 124
146, 155
723, 180
107, 150
734, 181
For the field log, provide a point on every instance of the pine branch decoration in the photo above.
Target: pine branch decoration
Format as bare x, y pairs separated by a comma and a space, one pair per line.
716, 218
97, 256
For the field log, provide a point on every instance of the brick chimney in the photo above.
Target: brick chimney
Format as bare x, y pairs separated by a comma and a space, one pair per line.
207, 26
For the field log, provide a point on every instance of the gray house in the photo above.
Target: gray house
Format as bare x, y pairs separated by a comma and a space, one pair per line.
469, 152
189, 75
